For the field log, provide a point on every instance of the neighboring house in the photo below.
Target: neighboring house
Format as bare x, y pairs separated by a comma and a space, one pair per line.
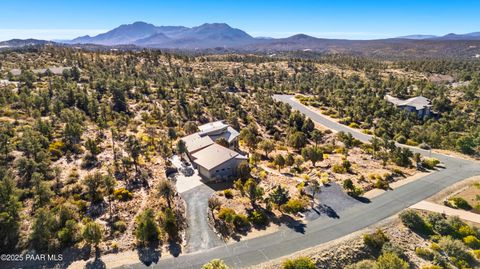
54, 70
214, 162
419, 105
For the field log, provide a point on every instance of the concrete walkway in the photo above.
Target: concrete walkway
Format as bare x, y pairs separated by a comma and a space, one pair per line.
433, 207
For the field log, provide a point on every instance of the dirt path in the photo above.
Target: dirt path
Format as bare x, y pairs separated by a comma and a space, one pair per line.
429, 206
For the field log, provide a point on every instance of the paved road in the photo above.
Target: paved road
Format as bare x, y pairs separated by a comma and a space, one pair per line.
324, 229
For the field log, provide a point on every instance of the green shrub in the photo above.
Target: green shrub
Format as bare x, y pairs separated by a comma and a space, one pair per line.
459, 202
258, 218
455, 222
390, 261
293, 206
430, 163
381, 184
471, 241
466, 230
398, 172
435, 247
68, 235
339, 169
215, 264
122, 194
229, 215
228, 193
389, 247
226, 214
455, 248
365, 264
56, 149
439, 224
476, 253
413, 221
89, 161
353, 125
299, 263
424, 253
410, 142
147, 229
120, 226
375, 240
240, 221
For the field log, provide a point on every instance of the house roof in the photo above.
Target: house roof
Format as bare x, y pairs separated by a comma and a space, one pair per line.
418, 102
195, 142
214, 155
212, 127
229, 134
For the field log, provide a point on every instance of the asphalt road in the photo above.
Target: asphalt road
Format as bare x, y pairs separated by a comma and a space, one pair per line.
324, 229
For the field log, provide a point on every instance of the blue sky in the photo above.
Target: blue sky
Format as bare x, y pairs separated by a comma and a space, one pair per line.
48, 19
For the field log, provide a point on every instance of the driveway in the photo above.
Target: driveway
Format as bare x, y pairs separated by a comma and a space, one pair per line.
195, 193
323, 229
200, 235
185, 181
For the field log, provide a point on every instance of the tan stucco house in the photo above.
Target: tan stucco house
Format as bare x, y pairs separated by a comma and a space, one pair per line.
213, 161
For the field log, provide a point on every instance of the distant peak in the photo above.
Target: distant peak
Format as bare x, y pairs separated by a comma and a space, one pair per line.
301, 36
215, 25
137, 24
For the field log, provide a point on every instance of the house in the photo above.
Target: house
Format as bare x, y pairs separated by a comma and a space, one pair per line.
213, 161
42, 71
419, 105
217, 162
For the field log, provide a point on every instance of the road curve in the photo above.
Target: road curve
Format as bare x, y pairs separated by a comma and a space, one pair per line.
324, 229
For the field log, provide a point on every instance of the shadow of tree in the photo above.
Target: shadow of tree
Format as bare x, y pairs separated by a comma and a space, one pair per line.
327, 210
95, 264
148, 255
174, 248
293, 224
361, 199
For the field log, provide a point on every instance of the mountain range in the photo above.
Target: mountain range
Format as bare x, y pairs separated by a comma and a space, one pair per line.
451, 36
220, 36
208, 35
